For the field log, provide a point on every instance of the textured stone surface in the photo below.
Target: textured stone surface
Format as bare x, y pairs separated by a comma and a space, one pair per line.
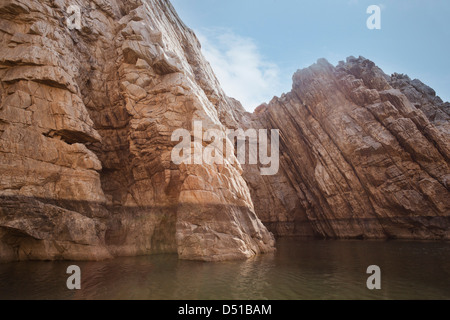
86, 120
363, 155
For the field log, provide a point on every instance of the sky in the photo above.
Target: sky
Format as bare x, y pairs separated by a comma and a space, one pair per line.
255, 46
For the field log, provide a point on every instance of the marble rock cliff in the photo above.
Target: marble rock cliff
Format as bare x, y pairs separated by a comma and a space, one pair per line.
363, 155
86, 118
87, 115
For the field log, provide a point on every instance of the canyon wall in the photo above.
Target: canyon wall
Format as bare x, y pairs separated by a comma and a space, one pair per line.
87, 115
363, 155
86, 118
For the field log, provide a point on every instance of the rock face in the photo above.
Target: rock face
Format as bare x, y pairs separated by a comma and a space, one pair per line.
363, 155
86, 118
87, 115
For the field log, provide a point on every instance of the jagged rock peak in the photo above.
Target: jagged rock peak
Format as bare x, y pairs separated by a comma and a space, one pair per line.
363, 155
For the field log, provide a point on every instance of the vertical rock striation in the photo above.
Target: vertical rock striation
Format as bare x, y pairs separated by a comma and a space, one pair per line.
86, 120
363, 155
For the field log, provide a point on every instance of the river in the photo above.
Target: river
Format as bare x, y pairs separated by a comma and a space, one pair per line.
300, 269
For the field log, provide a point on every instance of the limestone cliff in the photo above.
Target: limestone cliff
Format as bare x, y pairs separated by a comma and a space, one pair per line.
86, 118
363, 155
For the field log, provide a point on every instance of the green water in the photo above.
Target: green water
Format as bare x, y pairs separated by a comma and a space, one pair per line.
300, 269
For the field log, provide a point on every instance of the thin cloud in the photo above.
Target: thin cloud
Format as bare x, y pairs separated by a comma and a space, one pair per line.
240, 67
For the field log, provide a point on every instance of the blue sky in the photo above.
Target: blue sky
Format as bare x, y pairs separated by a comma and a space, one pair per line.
255, 46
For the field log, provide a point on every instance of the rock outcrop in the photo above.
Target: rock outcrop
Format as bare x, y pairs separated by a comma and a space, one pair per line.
363, 155
86, 120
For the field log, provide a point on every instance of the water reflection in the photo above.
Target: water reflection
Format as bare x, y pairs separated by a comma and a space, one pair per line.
298, 270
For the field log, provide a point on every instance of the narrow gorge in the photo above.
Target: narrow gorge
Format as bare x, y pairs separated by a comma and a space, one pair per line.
87, 115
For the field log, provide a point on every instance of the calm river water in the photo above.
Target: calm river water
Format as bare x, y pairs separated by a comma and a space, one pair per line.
300, 269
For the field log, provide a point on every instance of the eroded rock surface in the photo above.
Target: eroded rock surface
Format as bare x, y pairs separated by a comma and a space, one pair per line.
86, 120
363, 155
